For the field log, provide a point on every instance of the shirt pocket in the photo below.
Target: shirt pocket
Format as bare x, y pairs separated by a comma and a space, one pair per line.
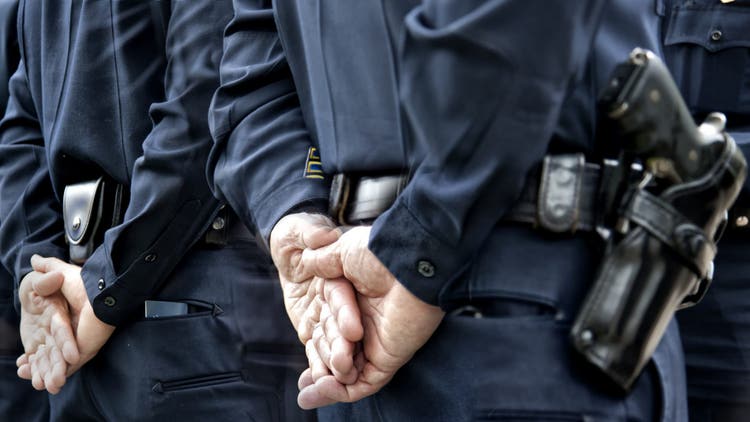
707, 48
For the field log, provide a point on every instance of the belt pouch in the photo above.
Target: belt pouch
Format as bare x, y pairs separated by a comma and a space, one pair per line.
90, 209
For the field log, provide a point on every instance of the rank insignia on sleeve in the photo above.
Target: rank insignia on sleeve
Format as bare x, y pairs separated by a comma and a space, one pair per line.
313, 166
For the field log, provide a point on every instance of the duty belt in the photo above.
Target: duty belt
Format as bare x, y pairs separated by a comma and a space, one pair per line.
562, 196
357, 199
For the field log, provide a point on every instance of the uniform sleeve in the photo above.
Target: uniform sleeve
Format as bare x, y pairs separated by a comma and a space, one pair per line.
29, 210
8, 48
742, 137
171, 204
261, 142
481, 86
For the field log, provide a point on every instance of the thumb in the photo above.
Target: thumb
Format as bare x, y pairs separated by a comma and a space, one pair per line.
47, 283
324, 262
319, 235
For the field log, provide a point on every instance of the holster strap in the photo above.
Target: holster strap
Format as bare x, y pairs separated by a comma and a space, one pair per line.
671, 227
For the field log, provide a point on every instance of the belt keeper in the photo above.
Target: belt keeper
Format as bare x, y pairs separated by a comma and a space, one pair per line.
339, 197
560, 192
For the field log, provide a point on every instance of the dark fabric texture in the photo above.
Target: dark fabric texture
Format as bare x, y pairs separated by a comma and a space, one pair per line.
18, 399
80, 109
227, 360
467, 96
121, 89
707, 48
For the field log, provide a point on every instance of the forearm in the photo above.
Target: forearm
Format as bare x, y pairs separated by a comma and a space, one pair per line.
262, 145
171, 205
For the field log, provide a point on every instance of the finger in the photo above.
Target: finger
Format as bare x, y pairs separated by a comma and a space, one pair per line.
24, 371
336, 351
327, 391
54, 379
42, 363
328, 388
310, 317
318, 235
317, 367
342, 299
45, 265
324, 262
341, 360
22, 360
305, 379
24, 367
47, 283
309, 397
320, 342
65, 341
36, 379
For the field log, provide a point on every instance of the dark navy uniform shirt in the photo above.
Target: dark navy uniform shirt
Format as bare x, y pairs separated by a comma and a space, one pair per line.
468, 95
118, 89
707, 48
8, 47
9, 340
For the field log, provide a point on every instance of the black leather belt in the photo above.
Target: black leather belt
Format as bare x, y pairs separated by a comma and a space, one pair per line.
361, 199
561, 197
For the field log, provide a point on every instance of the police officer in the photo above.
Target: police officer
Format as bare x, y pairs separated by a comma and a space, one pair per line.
18, 401
706, 48
198, 330
428, 116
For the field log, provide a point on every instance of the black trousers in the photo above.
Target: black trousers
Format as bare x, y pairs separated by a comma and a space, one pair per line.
234, 357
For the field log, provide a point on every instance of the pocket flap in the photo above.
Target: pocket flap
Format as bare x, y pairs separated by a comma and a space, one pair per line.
714, 27
81, 204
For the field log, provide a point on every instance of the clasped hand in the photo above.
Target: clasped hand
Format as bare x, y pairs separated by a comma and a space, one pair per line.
59, 330
358, 323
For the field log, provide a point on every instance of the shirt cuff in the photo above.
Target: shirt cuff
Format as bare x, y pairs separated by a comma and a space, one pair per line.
423, 263
309, 195
111, 301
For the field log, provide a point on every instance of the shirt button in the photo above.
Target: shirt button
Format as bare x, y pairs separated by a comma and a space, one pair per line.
426, 269
741, 221
218, 223
100, 284
109, 301
150, 258
716, 35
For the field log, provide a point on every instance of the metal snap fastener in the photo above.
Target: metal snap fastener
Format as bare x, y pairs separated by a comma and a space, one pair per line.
150, 257
109, 301
587, 338
100, 284
716, 35
741, 221
76, 223
425, 268
218, 223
